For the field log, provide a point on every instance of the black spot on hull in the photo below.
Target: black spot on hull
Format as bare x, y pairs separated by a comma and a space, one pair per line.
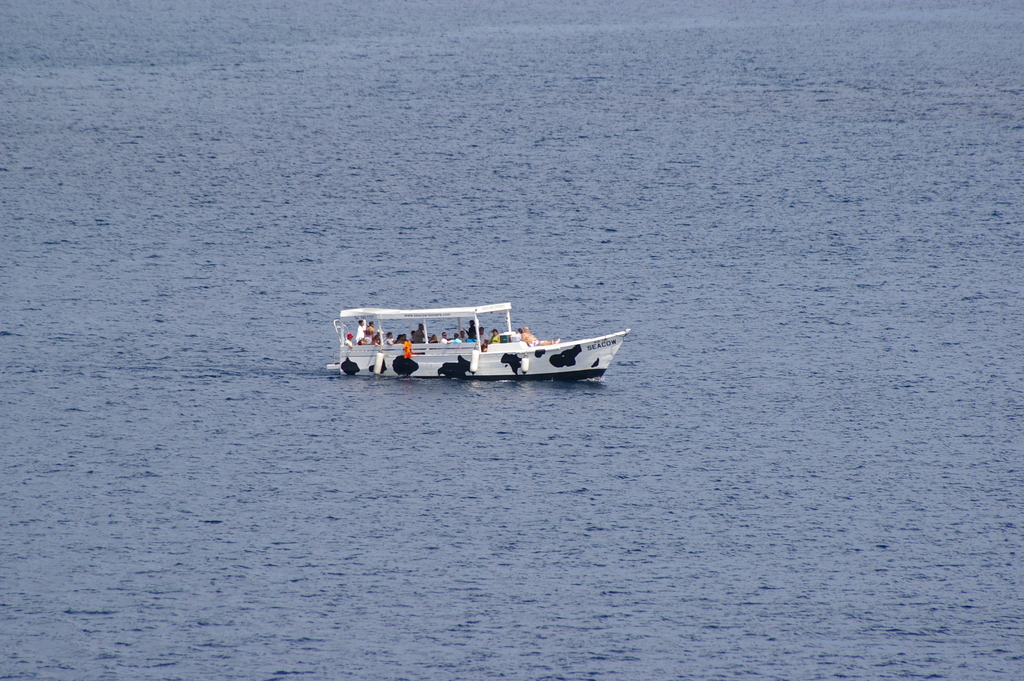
596, 362
403, 366
350, 367
539, 353
454, 369
512, 361
566, 358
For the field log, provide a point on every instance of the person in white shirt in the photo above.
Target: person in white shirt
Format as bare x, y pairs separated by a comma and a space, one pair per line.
361, 331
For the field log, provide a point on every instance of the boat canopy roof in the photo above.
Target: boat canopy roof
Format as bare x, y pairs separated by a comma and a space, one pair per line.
436, 313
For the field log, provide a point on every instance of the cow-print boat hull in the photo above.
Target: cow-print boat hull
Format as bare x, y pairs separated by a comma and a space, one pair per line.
566, 361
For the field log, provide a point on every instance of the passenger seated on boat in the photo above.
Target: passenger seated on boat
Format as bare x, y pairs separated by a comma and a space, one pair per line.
433, 338
401, 339
378, 339
348, 341
532, 341
370, 331
419, 335
455, 338
495, 336
388, 339
444, 338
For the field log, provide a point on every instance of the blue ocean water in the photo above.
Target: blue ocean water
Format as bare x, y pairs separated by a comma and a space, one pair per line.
805, 464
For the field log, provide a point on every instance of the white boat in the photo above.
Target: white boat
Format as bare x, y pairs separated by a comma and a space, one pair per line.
510, 359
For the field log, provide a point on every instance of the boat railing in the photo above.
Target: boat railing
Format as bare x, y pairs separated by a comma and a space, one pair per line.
418, 348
